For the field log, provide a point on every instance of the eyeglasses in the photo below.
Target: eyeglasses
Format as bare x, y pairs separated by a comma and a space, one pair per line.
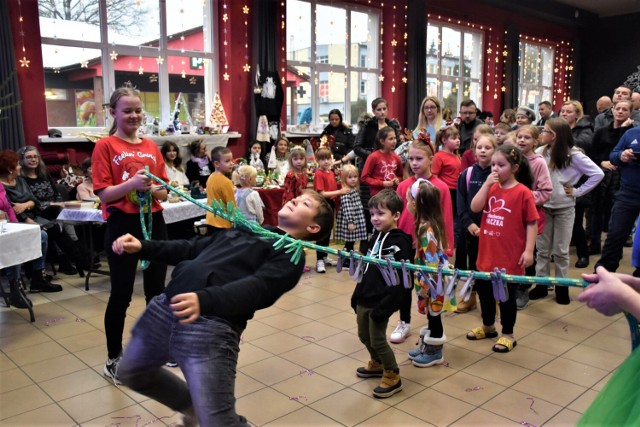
546, 131
36, 157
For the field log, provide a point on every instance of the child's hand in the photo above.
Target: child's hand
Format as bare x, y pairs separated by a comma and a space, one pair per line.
568, 190
387, 183
345, 190
526, 259
186, 306
396, 181
493, 178
126, 243
474, 230
604, 294
140, 181
351, 226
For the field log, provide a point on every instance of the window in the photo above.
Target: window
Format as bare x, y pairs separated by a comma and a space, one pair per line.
535, 74
454, 64
332, 61
91, 48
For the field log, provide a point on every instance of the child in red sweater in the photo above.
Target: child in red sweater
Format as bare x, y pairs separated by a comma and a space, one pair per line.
296, 180
324, 182
383, 168
446, 165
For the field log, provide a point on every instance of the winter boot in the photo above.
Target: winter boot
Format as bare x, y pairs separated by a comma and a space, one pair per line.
540, 291
16, 298
464, 307
424, 333
372, 370
389, 385
432, 354
39, 283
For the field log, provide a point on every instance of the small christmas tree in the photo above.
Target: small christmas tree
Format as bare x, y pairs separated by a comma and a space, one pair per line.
218, 118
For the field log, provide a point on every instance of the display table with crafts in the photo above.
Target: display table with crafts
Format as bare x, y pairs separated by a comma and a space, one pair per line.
173, 213
272, 199
20, 243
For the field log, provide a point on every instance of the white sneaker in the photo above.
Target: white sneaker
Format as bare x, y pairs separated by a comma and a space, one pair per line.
400, 333
320, 266
330, 261
110, 369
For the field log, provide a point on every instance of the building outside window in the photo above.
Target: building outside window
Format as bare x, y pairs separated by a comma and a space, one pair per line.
162, 48
454, 64
535, 74
332, 61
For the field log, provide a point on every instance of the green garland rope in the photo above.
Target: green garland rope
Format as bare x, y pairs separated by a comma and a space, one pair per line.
295, 247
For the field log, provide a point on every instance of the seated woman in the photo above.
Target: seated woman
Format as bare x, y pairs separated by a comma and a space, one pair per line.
200, 166
44, 211
173, 163
39, 281
85, 189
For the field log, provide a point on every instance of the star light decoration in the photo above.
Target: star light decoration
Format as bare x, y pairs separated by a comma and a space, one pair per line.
84, 64
246, 68
225, 76
24, 62
113, 55
245, 9
159, 60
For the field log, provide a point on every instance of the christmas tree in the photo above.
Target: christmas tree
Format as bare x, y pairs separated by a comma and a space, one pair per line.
218, 117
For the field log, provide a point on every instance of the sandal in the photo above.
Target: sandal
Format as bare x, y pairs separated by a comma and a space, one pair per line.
479, 334
504, 345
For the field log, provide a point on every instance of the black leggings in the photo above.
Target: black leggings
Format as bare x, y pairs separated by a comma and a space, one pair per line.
488, 306
123, 274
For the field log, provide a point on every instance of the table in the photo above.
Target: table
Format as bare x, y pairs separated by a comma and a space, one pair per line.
20, 243
272, 199
86, 218
172, 212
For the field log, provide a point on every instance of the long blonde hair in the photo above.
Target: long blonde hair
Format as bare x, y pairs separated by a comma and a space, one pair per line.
422, 120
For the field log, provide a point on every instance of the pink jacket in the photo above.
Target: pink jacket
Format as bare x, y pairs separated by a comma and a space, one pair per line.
542, 186
5, 205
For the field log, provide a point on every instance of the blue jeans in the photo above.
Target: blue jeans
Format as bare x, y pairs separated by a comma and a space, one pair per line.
207, 353
624, 213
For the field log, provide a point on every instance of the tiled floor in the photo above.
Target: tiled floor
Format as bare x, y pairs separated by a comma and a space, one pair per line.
298, 359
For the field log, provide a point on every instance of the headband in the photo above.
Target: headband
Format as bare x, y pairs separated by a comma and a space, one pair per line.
416, 186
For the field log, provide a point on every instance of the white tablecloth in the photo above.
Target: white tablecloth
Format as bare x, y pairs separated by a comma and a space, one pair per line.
19, 243
173, 212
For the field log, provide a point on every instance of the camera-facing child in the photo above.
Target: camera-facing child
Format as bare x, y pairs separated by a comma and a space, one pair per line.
350, 224
296, 180
374, 300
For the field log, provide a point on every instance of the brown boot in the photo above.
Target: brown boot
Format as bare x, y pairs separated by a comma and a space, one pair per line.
372, 370
389, 385
464, 307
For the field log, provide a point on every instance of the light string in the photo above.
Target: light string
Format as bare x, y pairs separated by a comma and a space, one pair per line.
24, 62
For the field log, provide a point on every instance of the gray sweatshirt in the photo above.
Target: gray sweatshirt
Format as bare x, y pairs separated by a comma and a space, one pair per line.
580, 165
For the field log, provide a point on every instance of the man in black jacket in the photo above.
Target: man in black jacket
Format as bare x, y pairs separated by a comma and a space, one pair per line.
468, 113
217, 285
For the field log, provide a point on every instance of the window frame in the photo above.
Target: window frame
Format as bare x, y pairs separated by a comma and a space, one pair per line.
460, 79
524, 44
209, 53
315, 67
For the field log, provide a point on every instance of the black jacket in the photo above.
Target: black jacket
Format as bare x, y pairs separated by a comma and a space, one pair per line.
466, 134
234, 272
372, 291
366, 139
583, 134
193, 173
343, 140
465, 194
604, 141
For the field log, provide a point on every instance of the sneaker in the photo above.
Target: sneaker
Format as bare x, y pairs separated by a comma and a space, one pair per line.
172, 364
320, 266
522, 297
372, 370
400, 333
110, 369
330, 261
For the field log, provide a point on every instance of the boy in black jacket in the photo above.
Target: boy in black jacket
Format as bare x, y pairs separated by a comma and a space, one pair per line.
373, 300
217, 285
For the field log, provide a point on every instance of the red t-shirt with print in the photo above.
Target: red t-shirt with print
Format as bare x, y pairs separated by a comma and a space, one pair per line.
115, 160
381, 167
503, 229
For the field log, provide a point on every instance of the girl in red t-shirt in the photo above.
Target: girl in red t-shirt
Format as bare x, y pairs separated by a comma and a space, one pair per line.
383, 168
508, 231
118, 161
296, 180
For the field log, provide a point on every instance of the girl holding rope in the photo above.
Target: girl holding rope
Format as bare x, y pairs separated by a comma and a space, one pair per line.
119, 161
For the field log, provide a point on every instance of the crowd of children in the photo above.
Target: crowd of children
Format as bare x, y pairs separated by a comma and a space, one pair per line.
495, 203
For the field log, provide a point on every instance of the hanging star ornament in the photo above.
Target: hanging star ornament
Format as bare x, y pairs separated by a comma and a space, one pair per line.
113, 55
246, 68
394, 43
24, 62
245, 10
159, 59
153, 78
381, 78
225, 76
84, 64
140, 70
225, 17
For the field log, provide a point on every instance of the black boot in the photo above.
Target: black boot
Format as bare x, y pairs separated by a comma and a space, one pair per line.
39, 283
562, 295
540, 291
65, 267
16, 298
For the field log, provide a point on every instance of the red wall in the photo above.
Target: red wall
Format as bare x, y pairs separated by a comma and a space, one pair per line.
236, 93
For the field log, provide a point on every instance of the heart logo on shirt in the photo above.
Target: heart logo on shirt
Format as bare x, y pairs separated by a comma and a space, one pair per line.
496, 205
